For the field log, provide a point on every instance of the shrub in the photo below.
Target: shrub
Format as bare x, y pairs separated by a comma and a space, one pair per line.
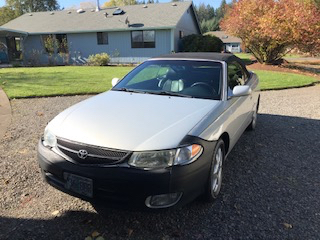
200, 43
100, 59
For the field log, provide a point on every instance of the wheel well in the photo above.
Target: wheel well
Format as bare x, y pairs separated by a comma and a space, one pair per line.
258, 104
226, 139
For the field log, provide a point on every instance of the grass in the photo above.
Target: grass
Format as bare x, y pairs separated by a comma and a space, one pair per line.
73, 80
246, 57
53, 81
282, 80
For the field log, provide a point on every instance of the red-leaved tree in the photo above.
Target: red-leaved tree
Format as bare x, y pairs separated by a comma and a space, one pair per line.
271, 28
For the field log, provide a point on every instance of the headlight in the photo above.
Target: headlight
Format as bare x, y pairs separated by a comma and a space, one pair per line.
156, 159
188, 154
49, 138
166, 158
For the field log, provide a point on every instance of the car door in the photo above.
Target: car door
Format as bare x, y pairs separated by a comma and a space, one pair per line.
239, 106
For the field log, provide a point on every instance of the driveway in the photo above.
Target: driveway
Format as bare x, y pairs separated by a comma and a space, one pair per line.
271, 185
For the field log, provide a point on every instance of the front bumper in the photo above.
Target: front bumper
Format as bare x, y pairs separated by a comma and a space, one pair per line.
127, 187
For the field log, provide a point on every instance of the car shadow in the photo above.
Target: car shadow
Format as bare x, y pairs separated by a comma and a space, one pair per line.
271, 189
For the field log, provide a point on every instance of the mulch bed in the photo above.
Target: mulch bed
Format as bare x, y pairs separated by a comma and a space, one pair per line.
280, 68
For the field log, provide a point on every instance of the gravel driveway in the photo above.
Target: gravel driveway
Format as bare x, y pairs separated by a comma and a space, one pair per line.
271, 187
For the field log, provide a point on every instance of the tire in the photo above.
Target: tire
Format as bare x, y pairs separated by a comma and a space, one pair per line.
215, 176
253, 124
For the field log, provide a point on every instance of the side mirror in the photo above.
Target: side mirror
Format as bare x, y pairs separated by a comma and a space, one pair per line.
114, 81
239, 91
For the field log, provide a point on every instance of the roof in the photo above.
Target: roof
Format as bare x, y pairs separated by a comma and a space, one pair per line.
226, 57
225, 37
154, 16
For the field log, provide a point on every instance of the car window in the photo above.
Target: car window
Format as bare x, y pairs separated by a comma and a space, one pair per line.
198, 79
148, 73
236, 75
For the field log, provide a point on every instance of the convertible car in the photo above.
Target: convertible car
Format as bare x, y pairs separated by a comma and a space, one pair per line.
158, 138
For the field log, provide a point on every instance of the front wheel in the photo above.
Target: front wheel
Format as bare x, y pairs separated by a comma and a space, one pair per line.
253, 123
215, 177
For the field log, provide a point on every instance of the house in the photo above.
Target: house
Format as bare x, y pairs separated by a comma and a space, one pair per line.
231, 43
129, 34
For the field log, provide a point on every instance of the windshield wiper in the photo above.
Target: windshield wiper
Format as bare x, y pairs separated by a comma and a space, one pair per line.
167, 93
127, 90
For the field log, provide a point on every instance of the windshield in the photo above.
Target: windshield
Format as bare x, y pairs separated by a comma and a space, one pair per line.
182, 78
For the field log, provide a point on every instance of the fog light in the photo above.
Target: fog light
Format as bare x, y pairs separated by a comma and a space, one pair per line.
163, 200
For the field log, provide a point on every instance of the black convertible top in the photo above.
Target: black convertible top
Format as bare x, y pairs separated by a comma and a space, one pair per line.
226, 57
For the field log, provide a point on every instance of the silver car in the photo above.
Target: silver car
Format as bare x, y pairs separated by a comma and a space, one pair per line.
158, 138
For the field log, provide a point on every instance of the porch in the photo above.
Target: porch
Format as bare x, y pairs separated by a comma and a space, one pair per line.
11, 46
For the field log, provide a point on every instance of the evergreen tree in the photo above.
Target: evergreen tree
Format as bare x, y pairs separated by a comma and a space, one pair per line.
6, 15
15, 8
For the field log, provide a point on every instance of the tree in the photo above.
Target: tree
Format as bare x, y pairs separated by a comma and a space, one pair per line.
209, 18
15, 8
21, 7
209, 25
6, 15
205, 12
222, 9
271, 28
118, 3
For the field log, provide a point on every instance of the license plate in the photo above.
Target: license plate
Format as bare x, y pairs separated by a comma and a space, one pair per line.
78, 184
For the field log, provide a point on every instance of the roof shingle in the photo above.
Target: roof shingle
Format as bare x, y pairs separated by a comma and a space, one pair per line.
154, 16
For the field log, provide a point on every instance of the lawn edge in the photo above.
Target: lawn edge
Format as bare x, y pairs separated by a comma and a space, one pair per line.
291, 87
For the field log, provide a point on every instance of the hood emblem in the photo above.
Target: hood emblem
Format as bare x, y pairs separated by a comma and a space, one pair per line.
83, 154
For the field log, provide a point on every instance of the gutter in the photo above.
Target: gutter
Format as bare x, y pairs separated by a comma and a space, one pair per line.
104, 30
13, 31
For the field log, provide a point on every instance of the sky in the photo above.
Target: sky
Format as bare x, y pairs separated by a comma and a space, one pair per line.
69, 3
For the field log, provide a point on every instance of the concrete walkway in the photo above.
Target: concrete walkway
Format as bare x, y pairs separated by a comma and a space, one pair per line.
5, 113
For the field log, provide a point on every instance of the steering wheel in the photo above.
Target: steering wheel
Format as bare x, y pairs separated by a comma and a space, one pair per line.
205, 85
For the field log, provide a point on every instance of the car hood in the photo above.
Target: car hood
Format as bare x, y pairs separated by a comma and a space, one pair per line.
131, 121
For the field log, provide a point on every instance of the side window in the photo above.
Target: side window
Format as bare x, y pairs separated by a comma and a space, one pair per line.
236, 75
102, 38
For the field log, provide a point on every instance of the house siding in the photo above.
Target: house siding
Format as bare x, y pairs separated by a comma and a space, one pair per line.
119, 44
82, 45
188, 25
233, 47
34, 51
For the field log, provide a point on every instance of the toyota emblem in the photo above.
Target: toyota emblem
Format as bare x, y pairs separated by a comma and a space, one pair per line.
83, 154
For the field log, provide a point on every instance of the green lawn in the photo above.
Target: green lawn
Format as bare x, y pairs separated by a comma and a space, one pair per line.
246, 57
72, 80
52, 81
280, 80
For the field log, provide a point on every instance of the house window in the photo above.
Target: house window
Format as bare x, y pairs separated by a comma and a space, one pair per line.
55, 43
102, 38
181, 34
62, 43
18, 43
48, 43
143, 39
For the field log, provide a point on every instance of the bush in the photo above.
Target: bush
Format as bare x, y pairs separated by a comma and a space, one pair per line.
100, 59
200, 43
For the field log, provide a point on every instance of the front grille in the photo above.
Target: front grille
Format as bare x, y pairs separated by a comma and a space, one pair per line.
95, 154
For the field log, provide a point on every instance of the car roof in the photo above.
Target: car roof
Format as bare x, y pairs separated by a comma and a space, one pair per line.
226, 57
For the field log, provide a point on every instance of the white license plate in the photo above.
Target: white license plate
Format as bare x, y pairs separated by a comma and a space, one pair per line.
78, 184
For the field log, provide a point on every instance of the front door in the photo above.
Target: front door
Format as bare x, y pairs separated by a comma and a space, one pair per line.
14, 51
